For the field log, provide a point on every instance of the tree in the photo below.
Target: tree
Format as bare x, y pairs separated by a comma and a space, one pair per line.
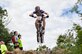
4, 34
76, 8
68, 44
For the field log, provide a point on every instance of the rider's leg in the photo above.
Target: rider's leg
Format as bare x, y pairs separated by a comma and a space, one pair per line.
36, 25
37, 38
44, 23
41, 38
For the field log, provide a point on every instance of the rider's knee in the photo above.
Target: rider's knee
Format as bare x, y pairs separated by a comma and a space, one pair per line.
43, 19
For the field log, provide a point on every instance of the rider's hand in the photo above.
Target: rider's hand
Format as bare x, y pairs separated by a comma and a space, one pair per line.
32, 15
47, 16
36, 16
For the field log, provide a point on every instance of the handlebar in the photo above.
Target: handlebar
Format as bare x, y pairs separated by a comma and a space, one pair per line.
37, 16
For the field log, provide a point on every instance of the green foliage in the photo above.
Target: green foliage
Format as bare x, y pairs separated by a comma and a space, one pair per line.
75, 8
68, 44
41, 48
4, 34
79, 1
10, 46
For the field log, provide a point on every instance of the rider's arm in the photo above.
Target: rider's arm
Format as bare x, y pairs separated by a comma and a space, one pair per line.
32, 15
46, 14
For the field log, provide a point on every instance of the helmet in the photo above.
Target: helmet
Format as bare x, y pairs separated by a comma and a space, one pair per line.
37, 8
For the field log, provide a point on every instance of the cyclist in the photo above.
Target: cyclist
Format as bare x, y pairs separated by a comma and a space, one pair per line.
38, 12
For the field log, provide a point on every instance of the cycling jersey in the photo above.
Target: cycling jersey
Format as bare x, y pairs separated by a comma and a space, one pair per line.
39, 13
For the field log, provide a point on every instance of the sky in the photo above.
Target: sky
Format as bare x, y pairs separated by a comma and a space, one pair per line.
18, 13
